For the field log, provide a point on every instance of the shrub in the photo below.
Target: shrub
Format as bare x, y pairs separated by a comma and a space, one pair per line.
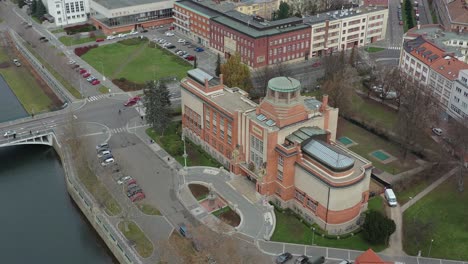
79, 28
377, 228
80, 51
127, 85
133, 41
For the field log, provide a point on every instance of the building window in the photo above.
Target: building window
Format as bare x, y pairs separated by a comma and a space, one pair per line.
280, 160
299, 196
279, 176
311, 204
229, 139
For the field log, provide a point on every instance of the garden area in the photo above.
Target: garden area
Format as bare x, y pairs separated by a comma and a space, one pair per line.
172, 143
132, 232
134, 61
440, 216
376, 203
79, 39
227, 215
200, 192
290, 229
147, 209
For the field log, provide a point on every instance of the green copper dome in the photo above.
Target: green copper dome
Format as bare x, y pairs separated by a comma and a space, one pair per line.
284, 84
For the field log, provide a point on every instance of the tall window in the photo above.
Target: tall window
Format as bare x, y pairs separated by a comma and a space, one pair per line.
256, 151
311, 204
299, 196
279, 175
280, 160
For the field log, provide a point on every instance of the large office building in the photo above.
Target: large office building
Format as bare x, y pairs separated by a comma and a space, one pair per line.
453, 14
458, 105
436, 59
261, 42
285, 145
67, 12
114, 16
262, 8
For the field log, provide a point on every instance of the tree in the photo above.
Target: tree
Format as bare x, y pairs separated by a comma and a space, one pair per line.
262, 76
158, 105
33, 7
236, 74
352, 56
218, 65
284, 11
377, 228
333, 64
21, 3
339, 90
40, 10
458, 132
195, 64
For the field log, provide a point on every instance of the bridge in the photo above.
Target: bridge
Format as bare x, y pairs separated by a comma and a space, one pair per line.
44, 137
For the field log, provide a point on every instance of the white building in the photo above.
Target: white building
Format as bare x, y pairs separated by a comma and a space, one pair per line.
67, 12
459, 100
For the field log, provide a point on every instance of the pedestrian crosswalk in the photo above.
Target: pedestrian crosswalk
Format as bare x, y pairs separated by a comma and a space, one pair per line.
96, 97
118, 130
394, 48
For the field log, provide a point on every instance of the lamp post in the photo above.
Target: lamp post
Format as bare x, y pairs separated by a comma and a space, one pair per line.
185, 151
313, 235
102, 68
430, 247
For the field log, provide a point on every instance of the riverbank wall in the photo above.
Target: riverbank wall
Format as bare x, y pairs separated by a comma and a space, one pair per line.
96, 216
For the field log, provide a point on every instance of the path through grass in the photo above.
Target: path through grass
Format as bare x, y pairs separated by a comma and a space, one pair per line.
143, 245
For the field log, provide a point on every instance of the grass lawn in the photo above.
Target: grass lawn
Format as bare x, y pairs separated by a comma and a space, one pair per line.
372, 111
75, 93
368, 142
143, 246
147, 64
98, 190
376, 203
222, 211
290, 230
71, 40
59, 30
25, 86
102, 89
148, 209
442, 216
173, 144
373, 49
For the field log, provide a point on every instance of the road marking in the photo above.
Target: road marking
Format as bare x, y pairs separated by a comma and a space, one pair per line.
75, 117
248, 200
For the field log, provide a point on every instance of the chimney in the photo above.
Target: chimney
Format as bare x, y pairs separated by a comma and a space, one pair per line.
206, 85
324, 105
328, 137
221, 80
419, 26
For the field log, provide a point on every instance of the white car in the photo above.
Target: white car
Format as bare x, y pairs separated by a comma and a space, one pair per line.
104, 153
9, 133
167, 44
169, 34
102, 145
70, 62
181, 40
133, 33
110, 37
107, 162
124, 179
437, 131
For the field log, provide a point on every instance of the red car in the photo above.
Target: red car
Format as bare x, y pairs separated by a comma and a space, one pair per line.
95, 82
136, 98
99, 40
132, 181
316, 64
86, 74
190, 58
130, 103
137, 197
82, 70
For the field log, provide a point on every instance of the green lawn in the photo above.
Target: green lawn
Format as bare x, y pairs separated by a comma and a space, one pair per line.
72, 40
25, 86
75, 93
373, 49
148, 209
139, 65
290, 230
173, 144
59, 30
143, 246
368, 142
102, 89
374, 112
376, 203
221, 211
442, 216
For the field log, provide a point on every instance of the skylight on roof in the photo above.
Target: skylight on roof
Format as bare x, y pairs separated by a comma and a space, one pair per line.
261, 117
270, 122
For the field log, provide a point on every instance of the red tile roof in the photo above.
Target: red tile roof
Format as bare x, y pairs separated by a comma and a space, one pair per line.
458, 11
428, 53
449, 67
370, 257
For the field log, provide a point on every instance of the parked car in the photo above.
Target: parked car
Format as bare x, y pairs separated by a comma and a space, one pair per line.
134, 32
198, 49
71, 62
82, 70
437, 131
170, 46
190, 58
177, 51
107, 162
283, 258
137, 197
86, 75
132, 181
74, 66
132, 192
104, 153
102, 145
316, 64
106, 157
9, 133
144, 31
110, 37
302, 260
91, 78
181, 41
124, 179
16, 62
130, 102
99, 40
95, 82
169, 34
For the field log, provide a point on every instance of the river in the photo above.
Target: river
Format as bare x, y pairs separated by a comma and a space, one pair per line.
40, 223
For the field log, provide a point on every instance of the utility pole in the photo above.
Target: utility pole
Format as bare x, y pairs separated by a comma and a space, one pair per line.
430, 247
185, 150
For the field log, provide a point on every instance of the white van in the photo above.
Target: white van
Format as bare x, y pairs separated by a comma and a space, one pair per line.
391, 198
108, 161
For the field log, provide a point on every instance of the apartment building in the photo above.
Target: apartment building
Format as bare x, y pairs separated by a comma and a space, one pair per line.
114, 16
67, 12
458, 105
261, 8
344, 29
285, 146
453, 14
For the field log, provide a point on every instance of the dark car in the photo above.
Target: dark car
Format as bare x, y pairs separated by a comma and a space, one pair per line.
283, 258
130, 193
144, 31
170, 46
302, 260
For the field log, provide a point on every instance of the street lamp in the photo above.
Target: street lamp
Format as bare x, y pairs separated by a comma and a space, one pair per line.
430, 247
185, 151
102, 68
313, 235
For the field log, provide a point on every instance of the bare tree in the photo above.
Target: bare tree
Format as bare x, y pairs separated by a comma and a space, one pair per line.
262, 76
339, 89
385, 78
458, 132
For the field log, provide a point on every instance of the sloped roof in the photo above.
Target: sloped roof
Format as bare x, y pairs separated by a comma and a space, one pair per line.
370, 257
449, 67
328, 155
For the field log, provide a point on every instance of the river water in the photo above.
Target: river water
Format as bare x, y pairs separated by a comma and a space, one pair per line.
39, 222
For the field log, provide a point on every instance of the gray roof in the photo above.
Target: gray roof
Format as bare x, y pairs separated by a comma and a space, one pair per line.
199, 75
199, 8
339, 14
329, 156
304, 133
284, 84
312, 103
114, 4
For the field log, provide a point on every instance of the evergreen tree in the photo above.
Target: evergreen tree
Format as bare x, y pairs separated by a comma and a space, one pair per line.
236, 73
377, 228
158, 105
33, 7
195, 64
21, 3
218, 65
284, 11
40, 10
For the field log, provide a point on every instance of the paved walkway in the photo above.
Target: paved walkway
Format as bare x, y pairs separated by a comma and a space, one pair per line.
396, 239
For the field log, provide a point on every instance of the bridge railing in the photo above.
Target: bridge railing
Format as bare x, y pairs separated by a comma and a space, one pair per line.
20, 137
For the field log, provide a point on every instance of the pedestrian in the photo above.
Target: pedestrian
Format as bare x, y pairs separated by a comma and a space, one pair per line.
120, 111
141, 117
32, 115
30, 132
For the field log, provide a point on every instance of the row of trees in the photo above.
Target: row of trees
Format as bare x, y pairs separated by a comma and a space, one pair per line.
301, 8
38, 9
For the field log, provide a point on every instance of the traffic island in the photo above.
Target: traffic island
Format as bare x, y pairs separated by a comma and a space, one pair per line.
147, 209
133, 233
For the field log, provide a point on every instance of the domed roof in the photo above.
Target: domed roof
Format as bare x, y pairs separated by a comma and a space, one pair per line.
284, 84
